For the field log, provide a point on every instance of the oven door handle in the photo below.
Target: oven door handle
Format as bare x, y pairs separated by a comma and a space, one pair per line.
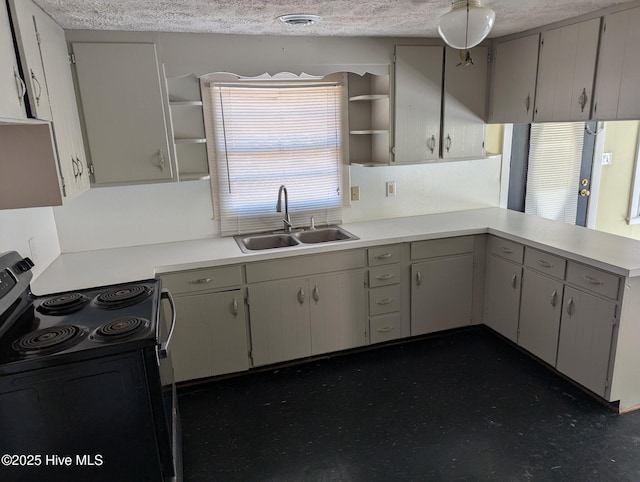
163, 349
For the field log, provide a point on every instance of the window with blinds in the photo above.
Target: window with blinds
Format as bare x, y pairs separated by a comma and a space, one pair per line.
555, 156
262, 136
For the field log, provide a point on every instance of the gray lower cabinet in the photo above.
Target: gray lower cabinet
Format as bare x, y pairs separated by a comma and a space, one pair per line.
586, 335
502, 304
210, 336
442, 287
540, 309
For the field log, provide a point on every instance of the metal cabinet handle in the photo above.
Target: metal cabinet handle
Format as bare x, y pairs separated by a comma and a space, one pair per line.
527, 102
22, 88
554, 296
448, 144
37, 84
384, 256
301, 296
384, 277
419, 278
316, 294
431, 143
506, 250
385, 329
514, 280
570, 306
234, 306
582, 101
384, 301
544, 263
201, 281
593, 281
74, 166
80, 166
161, 160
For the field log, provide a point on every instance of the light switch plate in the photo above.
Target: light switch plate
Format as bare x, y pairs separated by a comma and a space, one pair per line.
391, 188
607, 157
355, 193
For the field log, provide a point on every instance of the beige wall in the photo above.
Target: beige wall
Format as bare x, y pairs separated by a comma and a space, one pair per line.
615, 186
495, 134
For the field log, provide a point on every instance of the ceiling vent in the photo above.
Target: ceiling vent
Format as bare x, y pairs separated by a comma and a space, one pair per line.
300, 19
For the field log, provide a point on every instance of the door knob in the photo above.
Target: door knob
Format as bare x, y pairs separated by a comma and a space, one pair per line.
585, 193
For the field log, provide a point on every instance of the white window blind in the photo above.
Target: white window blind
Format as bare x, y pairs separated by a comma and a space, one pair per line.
555, 156
263, 136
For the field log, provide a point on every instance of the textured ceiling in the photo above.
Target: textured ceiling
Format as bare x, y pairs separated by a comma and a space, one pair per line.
410, 18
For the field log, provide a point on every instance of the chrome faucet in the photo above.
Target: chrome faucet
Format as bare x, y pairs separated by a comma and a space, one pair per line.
286, 220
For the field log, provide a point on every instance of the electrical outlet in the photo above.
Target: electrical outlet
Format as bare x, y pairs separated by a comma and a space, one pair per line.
391, 188
607, 157
355, 193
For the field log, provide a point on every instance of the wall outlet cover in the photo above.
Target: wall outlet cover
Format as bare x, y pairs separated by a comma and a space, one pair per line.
607, 158
391, 188
355, 193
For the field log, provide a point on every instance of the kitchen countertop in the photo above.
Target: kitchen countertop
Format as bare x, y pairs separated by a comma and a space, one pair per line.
72, 271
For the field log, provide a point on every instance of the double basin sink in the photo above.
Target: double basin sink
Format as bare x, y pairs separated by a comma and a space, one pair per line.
258, 242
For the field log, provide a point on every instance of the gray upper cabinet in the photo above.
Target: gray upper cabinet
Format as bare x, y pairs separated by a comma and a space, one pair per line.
124, 112
418, 101
464, 99
12, 87
618, 76
566, 72
514, 80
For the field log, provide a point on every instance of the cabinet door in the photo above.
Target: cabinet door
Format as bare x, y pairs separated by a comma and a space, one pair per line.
123, 111
502, 303
565, 72
465, 95
540, 309
418, 94
618, 67
12, 87
280, 321
586, 333
441, 294
64, 110
338, 318
514, 80
210, 337
24, 13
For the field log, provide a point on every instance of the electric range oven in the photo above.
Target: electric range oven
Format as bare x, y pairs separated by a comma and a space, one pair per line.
86, 382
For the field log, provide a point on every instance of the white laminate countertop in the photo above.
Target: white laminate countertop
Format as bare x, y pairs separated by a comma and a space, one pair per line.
87, 269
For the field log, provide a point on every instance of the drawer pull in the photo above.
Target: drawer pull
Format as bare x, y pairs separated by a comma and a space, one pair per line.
593, 281
316, 294
554, 296
544, 264
301, 296
384, 277
506, 250
234, 306
514, 281
384, 301
385, 329
201, 281
384, 256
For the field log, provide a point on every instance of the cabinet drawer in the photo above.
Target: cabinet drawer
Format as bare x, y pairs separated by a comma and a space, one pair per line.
544, 262
600, 282
441, 247
389, 275
506, 249
384, 255
204, 279
384, 328
384, 300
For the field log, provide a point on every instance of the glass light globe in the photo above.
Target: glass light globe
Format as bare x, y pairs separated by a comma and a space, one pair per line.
452, 26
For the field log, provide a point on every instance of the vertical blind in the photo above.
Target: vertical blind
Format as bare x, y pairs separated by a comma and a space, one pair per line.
263, 136
555, 156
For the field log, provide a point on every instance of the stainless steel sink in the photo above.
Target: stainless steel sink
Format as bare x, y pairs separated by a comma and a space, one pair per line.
257, 242
323, 235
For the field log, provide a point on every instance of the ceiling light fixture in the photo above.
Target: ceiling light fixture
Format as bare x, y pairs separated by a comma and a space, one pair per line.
301, 19
466, 25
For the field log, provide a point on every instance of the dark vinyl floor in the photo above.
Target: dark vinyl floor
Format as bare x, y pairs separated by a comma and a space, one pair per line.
463, 406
